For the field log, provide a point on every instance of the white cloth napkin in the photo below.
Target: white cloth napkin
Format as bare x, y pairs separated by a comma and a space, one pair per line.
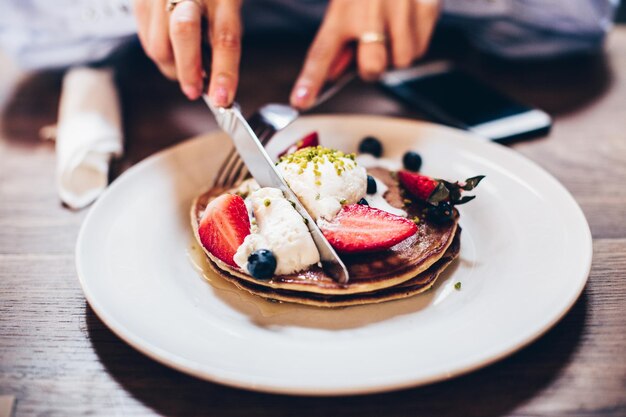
89, 134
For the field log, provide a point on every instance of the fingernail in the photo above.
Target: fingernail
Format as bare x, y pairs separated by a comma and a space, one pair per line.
220, 96
301, 95
192, 92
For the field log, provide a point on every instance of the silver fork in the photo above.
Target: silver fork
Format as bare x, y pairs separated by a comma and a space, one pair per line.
266, 122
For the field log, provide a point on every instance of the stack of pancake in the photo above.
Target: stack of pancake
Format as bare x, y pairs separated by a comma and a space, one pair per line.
408, 268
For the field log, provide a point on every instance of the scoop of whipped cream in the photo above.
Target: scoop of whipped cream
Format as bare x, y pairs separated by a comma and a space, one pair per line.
324, 179
277, 226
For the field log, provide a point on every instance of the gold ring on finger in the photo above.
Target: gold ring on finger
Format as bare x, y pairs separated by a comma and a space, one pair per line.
171, 4
372, 37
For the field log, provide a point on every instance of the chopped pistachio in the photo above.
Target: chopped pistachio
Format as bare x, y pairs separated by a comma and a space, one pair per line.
457, 286
267, 202
317, 196
342, 201
318, 182
416, 220
320, 154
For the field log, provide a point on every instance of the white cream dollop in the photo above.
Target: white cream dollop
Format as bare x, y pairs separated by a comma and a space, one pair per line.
280, 229
324, 186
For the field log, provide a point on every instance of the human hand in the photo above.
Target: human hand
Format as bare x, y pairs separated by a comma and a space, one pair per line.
406, 24
173, 40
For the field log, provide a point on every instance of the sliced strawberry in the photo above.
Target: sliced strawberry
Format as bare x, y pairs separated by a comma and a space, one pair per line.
223, 226
435, 191
312, 139
360, 228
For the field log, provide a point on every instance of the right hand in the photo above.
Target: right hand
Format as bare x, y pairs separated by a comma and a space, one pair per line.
173, 40
408, 25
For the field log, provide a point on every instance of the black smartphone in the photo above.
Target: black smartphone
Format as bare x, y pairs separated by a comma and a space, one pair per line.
450, 96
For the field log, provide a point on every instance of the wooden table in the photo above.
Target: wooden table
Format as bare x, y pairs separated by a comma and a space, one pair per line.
58, 359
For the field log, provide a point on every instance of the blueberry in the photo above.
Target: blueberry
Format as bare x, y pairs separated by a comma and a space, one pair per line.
262, 264
412, 161
372, 146
371, 185
363, 202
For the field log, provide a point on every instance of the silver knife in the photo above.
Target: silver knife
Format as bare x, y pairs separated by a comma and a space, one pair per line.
265, 173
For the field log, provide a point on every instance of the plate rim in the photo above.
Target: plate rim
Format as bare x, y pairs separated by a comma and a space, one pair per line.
180, 364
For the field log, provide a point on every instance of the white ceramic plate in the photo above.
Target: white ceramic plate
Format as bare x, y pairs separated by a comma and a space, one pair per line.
525, 256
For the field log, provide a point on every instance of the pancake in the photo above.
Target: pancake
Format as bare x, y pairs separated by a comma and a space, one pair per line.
369, 272
416, 285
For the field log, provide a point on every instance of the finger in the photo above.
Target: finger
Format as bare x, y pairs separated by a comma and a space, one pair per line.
372, 56
158, 47
168, 70
226, 52
426, 15
400, 17
142, 11
324, 50
186, 36
372, 60
341, 63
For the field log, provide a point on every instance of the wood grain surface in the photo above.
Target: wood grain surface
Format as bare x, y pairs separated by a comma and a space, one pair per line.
58, 359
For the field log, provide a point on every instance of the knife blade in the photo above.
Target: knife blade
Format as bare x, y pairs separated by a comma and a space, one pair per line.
265, 173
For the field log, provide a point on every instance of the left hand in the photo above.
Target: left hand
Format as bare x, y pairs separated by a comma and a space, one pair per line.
396, 31
173, 40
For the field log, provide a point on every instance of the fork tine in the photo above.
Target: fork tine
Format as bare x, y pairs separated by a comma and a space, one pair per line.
229, 170
237, 170
234, 172
221, 172
240, 174
225, 171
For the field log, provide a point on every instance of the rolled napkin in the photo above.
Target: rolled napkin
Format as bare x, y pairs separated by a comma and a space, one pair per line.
88, 136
